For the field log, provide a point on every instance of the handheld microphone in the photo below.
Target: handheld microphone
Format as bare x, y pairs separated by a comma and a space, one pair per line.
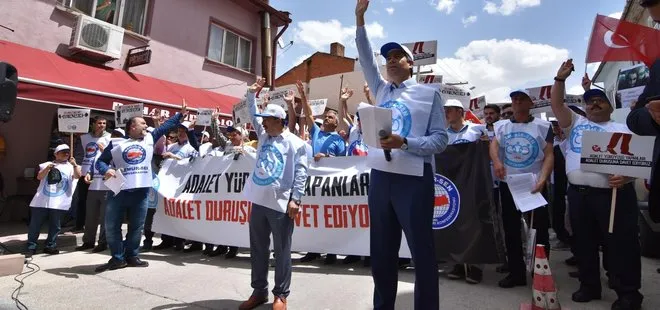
388, 153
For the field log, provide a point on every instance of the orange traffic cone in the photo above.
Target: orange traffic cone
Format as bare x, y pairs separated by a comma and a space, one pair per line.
544, 290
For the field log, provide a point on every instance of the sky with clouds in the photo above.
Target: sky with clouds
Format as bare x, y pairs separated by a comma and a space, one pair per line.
495, 45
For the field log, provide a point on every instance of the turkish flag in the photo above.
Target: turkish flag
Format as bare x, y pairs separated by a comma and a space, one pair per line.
618, 40
470, 117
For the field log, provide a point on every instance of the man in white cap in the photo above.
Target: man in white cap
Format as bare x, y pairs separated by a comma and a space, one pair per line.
206, 146
57, 180
187, 145
133, 158
402, 186
460, 131
590, 198
522, 144
275, 189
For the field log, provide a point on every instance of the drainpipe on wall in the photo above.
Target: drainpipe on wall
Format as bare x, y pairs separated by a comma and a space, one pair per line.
266, 49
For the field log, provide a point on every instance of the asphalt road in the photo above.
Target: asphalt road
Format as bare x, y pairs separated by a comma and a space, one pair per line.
192, 281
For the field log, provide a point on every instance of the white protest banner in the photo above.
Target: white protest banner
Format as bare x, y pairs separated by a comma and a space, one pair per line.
124, 112
429, 79
631, 83
241, 113
204, 201
204, 117
73, 120
277, 97
477, 106
424, 53
617, 154
454, 92
541, 98
318, 107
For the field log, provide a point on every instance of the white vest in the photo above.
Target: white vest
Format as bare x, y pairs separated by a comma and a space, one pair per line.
182, 150
133, 157
522, 144
92, 149
274, 163
205, 148
411, 111
572, 147
469, 133
356, 146
55, 196
98, 183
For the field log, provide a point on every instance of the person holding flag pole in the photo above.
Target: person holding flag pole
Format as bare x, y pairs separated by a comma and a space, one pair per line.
401, 190
590, 201
131, 158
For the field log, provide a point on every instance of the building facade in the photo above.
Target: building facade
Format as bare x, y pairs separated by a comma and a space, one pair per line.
73, 53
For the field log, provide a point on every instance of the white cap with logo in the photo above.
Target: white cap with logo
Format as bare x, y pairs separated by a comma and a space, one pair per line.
454, 103
61, 147
272, 110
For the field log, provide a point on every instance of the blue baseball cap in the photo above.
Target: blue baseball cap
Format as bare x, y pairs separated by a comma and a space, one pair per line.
595, 93
385, 49
520, 92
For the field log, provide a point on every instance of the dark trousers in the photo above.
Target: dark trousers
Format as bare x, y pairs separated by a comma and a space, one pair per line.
81, 209
559, 197
405, 202
37, 219
148, 223
590, 217
512, 231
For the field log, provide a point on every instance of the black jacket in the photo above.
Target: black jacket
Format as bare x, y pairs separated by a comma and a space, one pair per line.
640, 122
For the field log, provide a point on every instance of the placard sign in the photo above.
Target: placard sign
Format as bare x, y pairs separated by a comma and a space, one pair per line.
73, 120
241, 113
424, 53
204, 117
277, 97
318, 107
125, 112
617, 153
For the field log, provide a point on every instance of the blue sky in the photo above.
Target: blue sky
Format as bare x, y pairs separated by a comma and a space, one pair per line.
495, 45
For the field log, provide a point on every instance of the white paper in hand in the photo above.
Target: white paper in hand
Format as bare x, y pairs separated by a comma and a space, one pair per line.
373, 120
521, 186
115, 184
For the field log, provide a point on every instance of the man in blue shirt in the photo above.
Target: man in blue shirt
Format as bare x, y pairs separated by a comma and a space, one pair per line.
401, 189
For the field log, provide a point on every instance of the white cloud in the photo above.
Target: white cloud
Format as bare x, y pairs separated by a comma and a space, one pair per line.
469, 20
319, 34
497, 66
390, 10
300, 59
616, 15
446, 5
508, 7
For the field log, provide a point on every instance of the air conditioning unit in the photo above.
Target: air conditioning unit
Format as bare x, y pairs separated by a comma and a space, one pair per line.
96, 38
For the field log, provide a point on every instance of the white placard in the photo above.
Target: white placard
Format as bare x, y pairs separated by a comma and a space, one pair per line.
125, 112
73, 120
477, 106
541, 98
373, 120
631, 82
429, 79
277, 97
424, 53
318, 107
241, 113
204, 117
454, 92
617, 154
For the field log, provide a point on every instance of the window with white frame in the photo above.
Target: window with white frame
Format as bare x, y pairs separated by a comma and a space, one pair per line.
129, 14
229, 48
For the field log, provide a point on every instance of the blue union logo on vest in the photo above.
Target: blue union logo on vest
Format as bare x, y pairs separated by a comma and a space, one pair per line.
134, 154
91, 149
401, 118
521, 149
447, 203
270, 164
575, 139
58, 189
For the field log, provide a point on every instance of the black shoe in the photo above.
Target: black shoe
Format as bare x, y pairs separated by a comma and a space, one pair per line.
474, 275
220, 250
350, 259
574, 274
77, 230
512, 281
136, 262
112, 264
330, 259
309, 257
504, 268
571, 261
179, 246
100, 248
163, 246
457, 273
585, 295
196, 246
367, 261
29, 253
628, 302
207, 251
85, 246
51, 251
147, 247
233, 251
404, 263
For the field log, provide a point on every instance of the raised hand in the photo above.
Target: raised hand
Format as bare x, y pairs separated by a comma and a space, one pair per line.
565, 69
586, 82
184, 108
258, 85
346, 94
361, 7
289, 97
265, 98
301, 91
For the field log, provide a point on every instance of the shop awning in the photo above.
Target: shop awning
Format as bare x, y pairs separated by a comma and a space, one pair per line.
50, 78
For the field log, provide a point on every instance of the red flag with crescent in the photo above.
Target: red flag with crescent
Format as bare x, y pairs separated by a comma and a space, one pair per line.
619, 40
